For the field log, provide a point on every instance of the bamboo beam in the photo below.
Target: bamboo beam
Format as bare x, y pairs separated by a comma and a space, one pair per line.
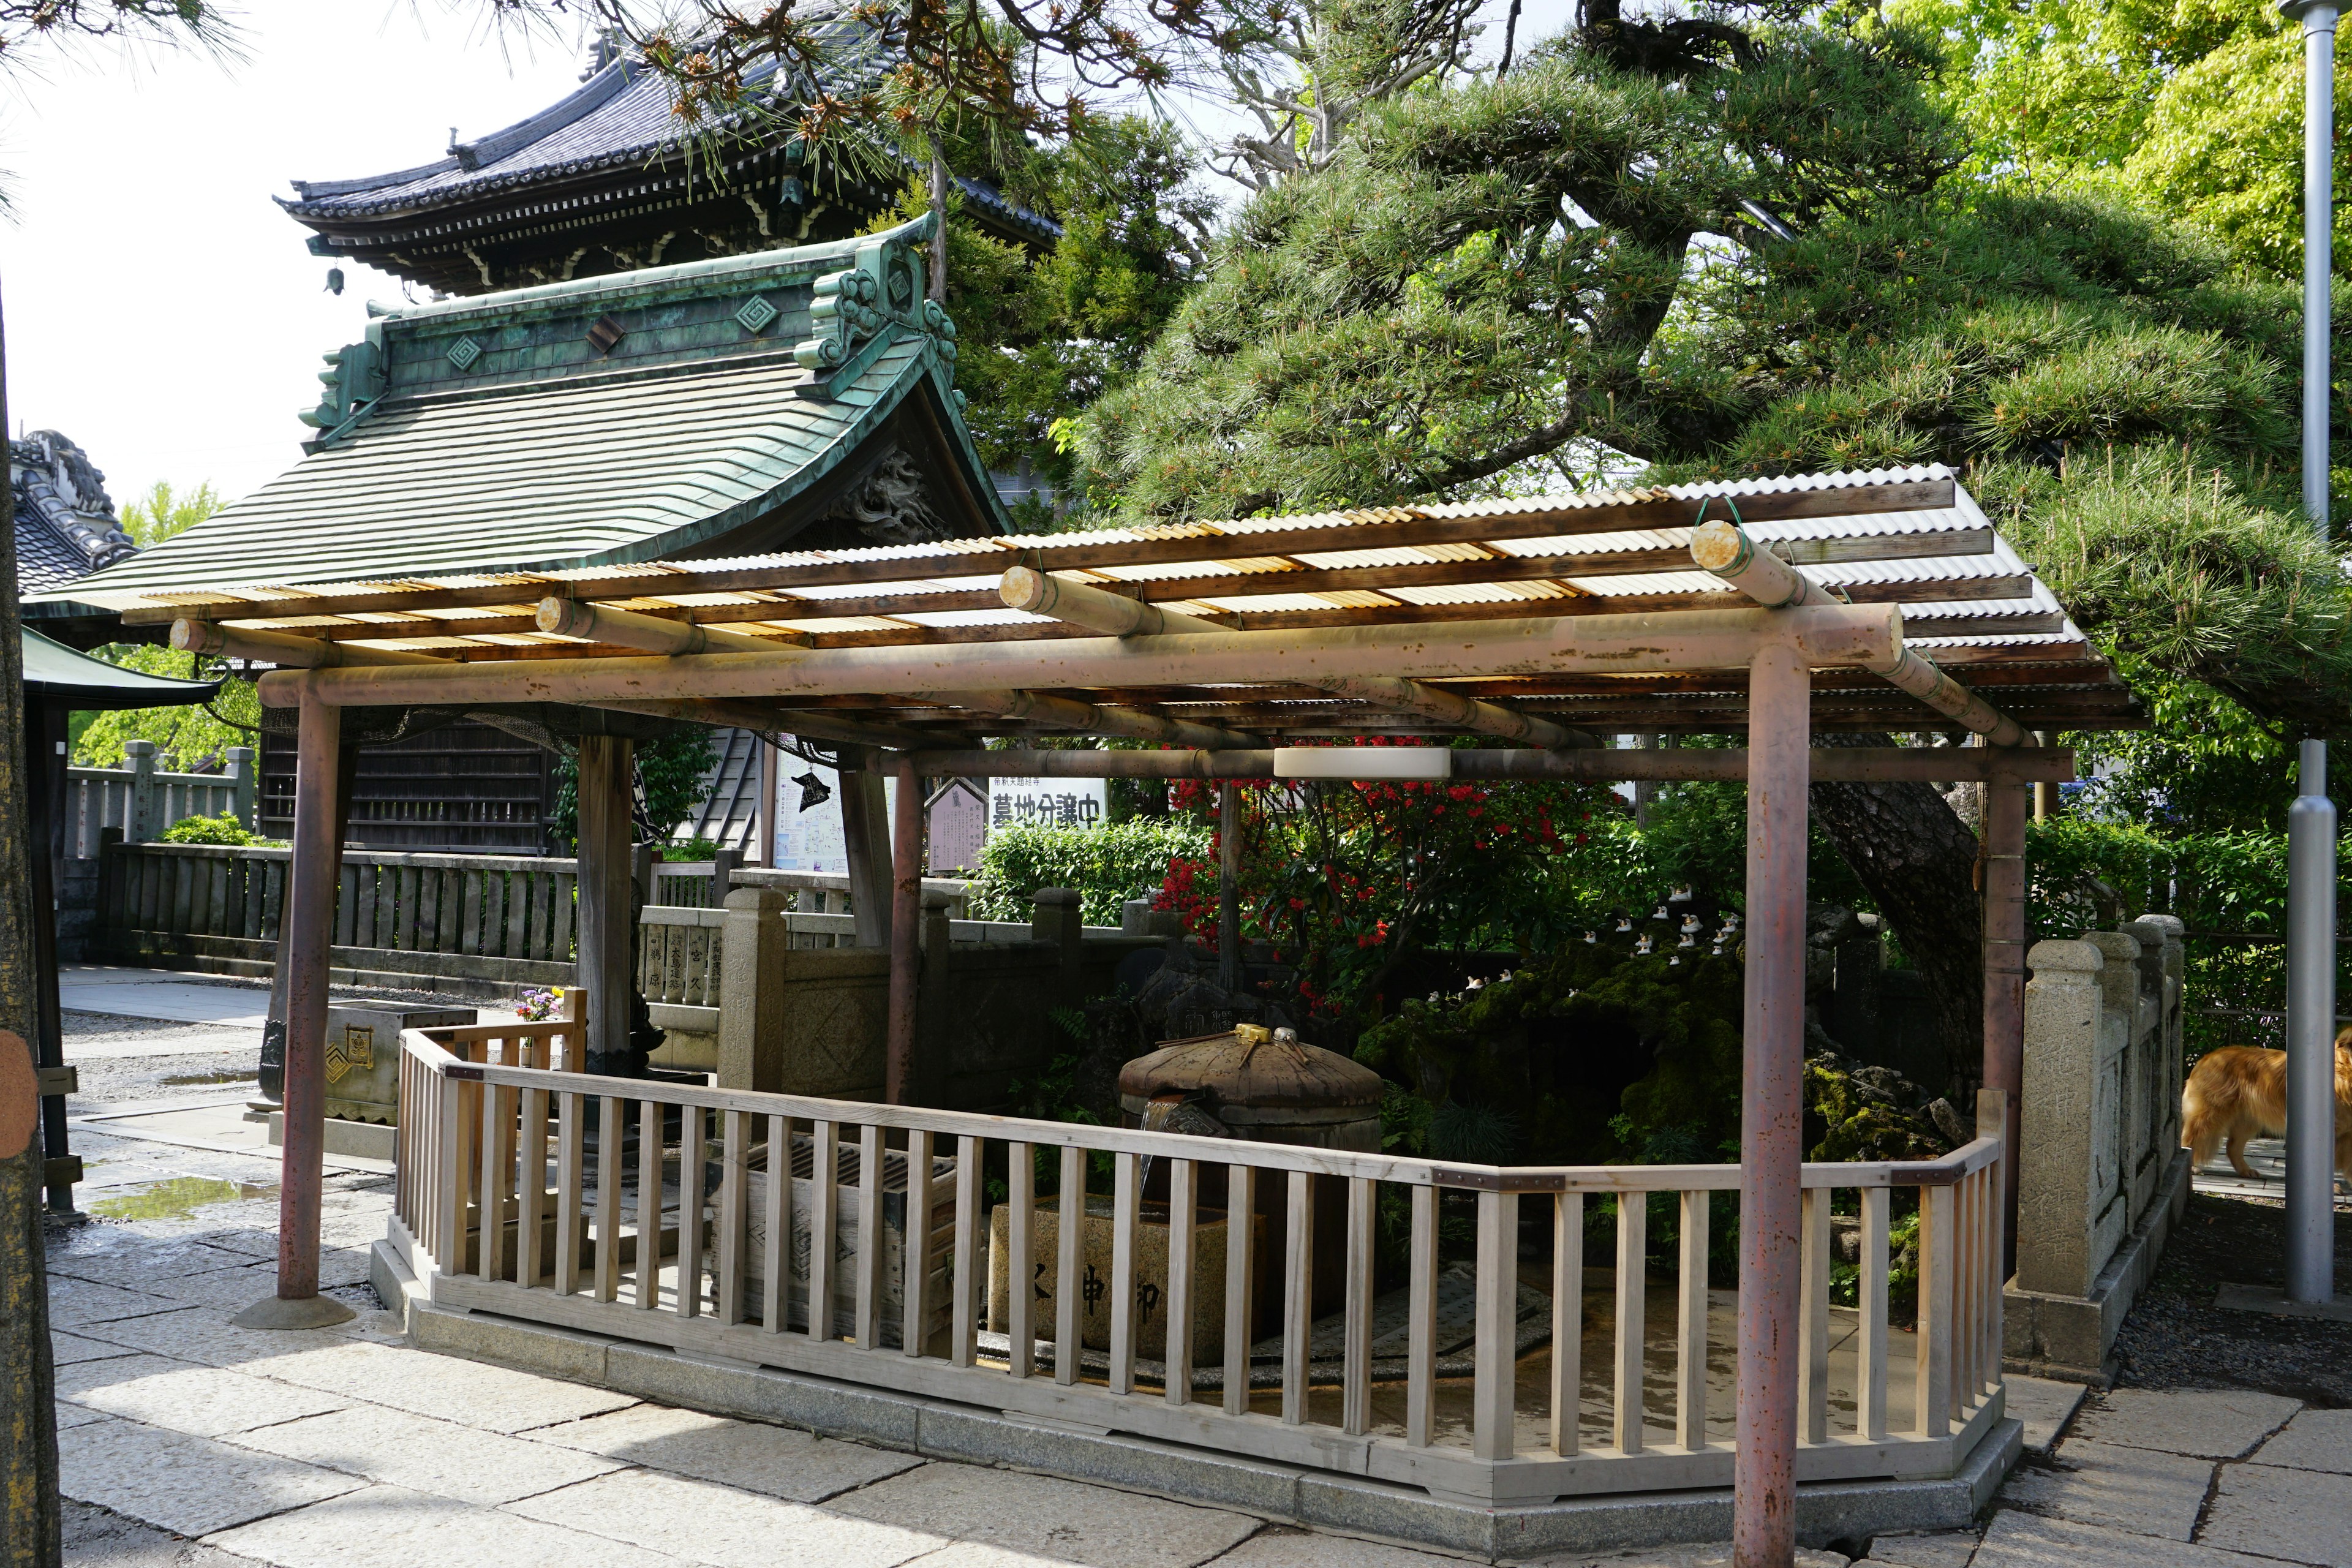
1699, 639
1637, 510
1041, 594
572, 617
216, 641
1723, 549
1841, 764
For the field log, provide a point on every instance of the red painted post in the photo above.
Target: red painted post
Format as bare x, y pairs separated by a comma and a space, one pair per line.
906, 931
1771, 1133
2004, 972
305, 931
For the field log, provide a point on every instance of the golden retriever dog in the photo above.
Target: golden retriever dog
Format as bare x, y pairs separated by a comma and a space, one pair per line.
2239, 1092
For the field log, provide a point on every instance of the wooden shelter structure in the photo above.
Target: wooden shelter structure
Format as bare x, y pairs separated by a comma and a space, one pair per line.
608, 548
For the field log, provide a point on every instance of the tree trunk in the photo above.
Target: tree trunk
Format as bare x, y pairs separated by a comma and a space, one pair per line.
30, 1519
938, 280
1918, 860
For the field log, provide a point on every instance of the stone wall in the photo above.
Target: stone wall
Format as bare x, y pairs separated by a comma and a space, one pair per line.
2101, 1173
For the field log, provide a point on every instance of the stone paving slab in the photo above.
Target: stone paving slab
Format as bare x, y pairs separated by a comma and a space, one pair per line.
472, 1394
2021, 1541
2212, 1424
149, 1268
78, 1416
98, 1538
73, 1302
1946, 1549
204, 1334
1064, 1520
1305, 1549
751, 1456
425, 1455
2043, 1406
2315, 1440
205, 1401
69, 1350
2132, 1490
191, 1484
390, 1527
717, 1525
2302, 1516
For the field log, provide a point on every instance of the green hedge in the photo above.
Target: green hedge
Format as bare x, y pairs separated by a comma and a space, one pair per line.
1108, 864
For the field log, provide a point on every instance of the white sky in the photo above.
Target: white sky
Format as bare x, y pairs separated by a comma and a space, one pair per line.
161, 311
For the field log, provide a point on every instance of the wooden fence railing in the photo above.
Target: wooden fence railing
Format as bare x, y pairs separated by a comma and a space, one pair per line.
1440, 1365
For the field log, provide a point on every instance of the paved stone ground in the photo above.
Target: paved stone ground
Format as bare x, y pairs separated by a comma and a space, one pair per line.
187, 1443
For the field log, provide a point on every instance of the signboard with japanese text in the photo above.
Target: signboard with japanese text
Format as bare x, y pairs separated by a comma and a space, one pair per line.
1048, 803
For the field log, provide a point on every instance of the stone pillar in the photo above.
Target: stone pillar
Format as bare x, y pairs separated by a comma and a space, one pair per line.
2064, 1017
245, 787
750, 988
1058, 919
139, 824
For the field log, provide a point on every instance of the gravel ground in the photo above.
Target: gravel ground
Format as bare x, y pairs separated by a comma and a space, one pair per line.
186, 1061
2176, 1337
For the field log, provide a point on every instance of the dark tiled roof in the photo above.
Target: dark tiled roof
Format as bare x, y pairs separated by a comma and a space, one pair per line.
619, 119
65, 521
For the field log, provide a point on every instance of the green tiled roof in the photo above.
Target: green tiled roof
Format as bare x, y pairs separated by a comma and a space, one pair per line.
628, 419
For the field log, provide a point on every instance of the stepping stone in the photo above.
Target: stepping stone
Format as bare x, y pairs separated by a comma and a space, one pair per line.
468, 1392
2043, 1405
1949, 1549
2131, 1489
2212, 1424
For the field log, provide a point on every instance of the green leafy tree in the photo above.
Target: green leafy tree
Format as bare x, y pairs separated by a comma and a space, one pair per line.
163, 511
672, 778
193, 738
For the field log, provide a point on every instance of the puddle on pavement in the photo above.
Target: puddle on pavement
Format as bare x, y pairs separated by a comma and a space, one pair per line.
177, 1198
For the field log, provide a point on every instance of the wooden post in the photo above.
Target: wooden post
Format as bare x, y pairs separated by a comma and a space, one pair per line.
305, 933
906, 935
2004, 975
1228, 888
1771, 1155
865, 841
606, 971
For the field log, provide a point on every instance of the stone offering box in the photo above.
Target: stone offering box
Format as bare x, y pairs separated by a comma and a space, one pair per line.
1209, 1240
363, 1058
848, 1222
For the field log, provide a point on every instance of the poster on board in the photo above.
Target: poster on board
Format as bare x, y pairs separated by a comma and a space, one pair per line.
807, 815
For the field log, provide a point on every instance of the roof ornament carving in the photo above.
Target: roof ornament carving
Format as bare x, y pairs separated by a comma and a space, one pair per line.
55, 487
859, 311
891, 505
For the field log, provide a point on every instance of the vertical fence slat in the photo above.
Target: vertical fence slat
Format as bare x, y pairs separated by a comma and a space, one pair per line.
1870, 1377
1567, 1321
825, 1196
1421, 1322
1298, 1296
571, 1112
530, 1178
868, 1260
914, 1284
776, 1257
1495, 1347
1632, 1267
647, 1273
450, 1195
964, 1271
496, 1151
1934, 1345
1813, 1313
691, 1135
1122, 1273
735, 1155
1356, 1377
609, 1161
1020, 1271
1690, 1326
1241, 1268
1069, 1258
1183, 1192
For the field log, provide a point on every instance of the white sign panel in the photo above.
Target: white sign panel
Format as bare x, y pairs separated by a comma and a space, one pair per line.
1048, 803
810, 839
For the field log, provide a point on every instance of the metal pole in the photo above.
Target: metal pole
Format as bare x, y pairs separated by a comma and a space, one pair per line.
1771, 1129
2310, 1035
906, 932
2311, 821
2004, 968
304, 929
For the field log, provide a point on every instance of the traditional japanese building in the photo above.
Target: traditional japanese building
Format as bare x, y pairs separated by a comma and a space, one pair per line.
65, 529
608, 181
